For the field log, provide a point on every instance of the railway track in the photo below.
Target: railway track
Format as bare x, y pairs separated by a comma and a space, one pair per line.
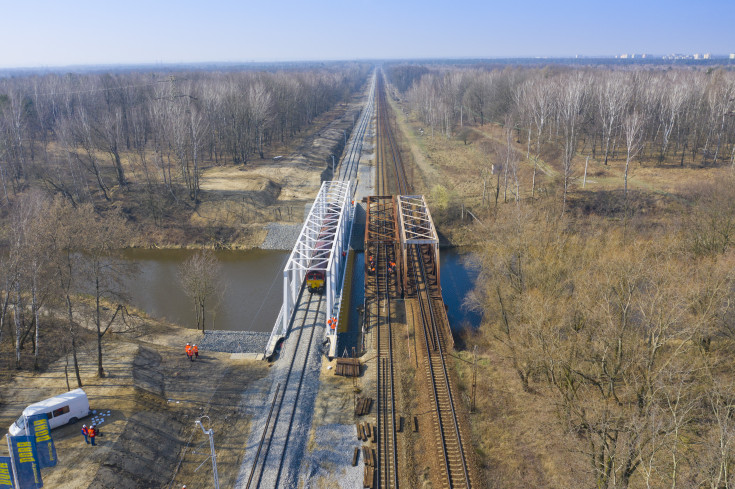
349, 164
391, 180
391, 175
270, 468
446, 422
381, 284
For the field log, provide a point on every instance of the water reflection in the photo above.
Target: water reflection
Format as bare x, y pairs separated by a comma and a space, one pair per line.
458, 276
253, 288
252, 279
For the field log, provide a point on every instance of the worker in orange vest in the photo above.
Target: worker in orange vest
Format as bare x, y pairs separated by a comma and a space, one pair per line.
92, 434
195, 351
189, 353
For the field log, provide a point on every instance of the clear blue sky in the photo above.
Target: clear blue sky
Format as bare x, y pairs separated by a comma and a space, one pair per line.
64, 32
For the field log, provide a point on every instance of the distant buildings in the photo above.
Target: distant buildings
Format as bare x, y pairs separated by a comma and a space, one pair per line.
696, 56
674, 56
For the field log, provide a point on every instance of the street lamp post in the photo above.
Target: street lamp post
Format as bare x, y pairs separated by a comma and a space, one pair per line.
210, 432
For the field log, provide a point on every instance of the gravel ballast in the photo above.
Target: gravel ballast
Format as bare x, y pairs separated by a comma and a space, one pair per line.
280, 458
234, 341
281, 236
330, 463
288, 457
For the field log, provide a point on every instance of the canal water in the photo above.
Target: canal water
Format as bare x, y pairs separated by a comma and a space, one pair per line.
253, 284
459, 270
252, 281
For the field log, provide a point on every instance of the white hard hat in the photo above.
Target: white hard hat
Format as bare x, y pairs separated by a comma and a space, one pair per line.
84, 426
187, 344
195, 344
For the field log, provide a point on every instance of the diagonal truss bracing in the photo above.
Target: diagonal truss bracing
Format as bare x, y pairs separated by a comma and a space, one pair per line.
415, 226
320, 247
414, 219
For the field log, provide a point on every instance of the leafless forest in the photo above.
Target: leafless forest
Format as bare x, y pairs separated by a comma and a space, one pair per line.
604, 219
606, 345
85, 159
81, 136
679, 114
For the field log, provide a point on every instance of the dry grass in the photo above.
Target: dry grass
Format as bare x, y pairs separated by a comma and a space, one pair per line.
153, 394
235, 202
517, 439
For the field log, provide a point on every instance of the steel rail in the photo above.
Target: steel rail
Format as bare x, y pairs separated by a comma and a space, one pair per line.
387, 448
283, 394
398, 167
298, 391
355, 149
434, 331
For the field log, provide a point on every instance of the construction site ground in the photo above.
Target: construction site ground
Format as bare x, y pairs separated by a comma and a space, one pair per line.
154, 394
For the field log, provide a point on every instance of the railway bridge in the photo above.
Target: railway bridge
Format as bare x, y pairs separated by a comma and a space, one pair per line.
405, 329
402, 285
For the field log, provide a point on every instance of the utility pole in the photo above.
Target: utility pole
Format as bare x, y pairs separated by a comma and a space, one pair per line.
474, 379
210, 432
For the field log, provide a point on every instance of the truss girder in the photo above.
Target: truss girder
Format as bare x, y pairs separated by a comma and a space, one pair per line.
415, 223
416, 227
321, 246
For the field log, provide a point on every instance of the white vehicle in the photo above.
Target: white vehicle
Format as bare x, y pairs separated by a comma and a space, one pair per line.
66, 408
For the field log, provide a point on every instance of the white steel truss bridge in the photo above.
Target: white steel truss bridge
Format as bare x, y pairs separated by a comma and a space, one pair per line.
321, 247
415, 226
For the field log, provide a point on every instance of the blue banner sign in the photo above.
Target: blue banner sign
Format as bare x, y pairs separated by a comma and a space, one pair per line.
40, 431
23, 451
6, 473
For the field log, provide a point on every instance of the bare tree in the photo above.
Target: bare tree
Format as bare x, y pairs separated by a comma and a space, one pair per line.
101, 238
260, 103
633, 128
571, 93
200, 279
65, 244
613, 94
539, 105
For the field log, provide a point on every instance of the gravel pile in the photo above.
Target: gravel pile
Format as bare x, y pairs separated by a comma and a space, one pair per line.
234, 341
281, 236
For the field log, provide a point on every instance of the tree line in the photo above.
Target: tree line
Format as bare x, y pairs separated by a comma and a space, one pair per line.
92, 137
55, 254
668, 116
615, 335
